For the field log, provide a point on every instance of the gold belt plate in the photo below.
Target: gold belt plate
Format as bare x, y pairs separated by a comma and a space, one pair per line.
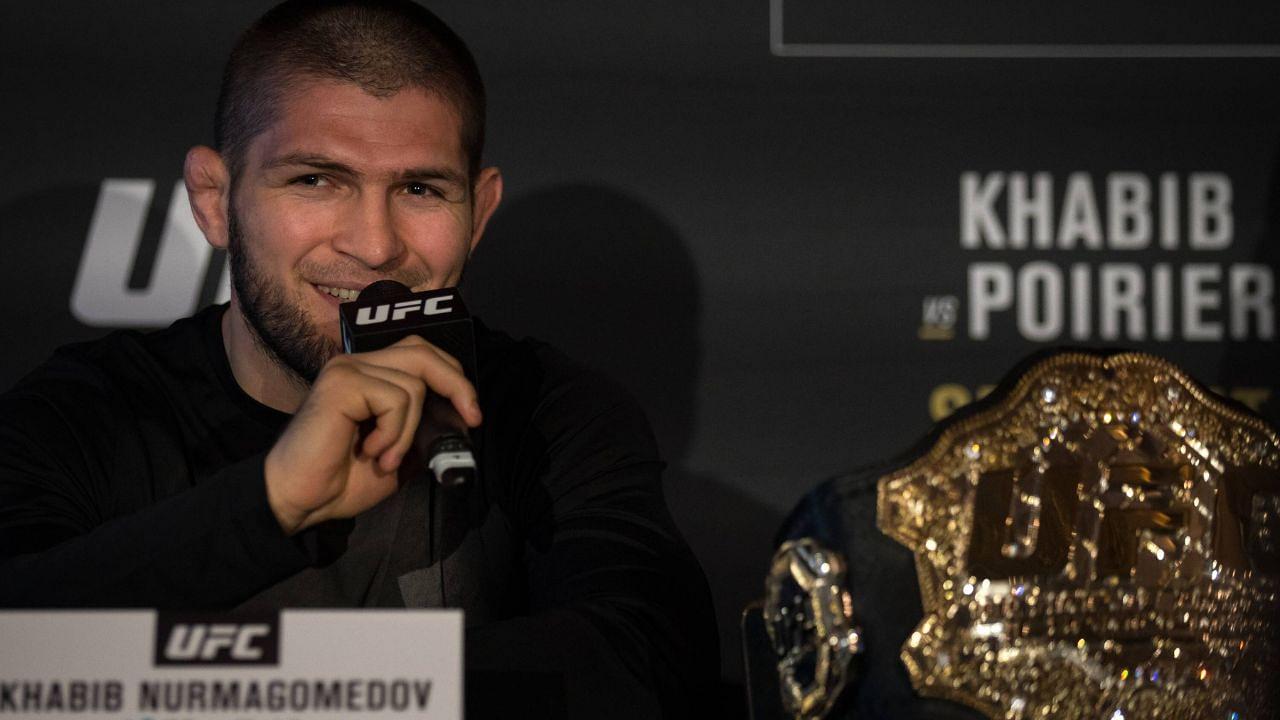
1102, 542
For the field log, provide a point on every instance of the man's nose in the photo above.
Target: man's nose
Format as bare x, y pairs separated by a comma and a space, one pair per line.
371, 236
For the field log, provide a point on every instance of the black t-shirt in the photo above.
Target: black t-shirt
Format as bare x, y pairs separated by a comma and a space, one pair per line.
131, 476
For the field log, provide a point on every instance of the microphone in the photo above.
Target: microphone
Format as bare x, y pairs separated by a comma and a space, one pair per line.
386, 312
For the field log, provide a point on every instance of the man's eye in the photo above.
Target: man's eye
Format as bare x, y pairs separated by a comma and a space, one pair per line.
417, 188
308, 180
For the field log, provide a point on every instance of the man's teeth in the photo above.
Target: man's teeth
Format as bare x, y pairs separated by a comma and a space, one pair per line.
340, 293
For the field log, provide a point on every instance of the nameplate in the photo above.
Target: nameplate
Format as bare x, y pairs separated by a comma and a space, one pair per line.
171, 666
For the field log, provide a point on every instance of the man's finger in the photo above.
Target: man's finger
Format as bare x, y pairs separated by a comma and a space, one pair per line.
417, 391
363, 397
442, 374
411, 341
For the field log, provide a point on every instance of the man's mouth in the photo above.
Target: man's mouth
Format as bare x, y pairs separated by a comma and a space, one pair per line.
340, 293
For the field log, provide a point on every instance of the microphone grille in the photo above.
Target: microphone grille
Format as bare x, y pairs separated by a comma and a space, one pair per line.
384, 290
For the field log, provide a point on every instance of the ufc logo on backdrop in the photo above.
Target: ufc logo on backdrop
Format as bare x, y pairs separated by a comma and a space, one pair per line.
212, 640
101, 295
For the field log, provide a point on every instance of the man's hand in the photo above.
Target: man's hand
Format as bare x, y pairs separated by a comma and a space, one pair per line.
322, 468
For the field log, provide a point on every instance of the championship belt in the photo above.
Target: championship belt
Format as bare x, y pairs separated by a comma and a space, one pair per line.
1100, 539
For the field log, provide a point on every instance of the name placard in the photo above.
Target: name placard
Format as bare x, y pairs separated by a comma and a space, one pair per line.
295, 664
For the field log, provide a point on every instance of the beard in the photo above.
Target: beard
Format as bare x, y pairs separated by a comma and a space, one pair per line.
281, 329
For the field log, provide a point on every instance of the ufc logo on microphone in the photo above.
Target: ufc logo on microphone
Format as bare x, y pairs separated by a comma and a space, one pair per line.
374, 314
212, 640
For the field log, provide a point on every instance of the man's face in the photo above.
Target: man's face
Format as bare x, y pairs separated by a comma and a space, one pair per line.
343, 190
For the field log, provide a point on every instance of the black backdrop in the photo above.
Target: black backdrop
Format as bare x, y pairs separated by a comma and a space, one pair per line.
799, 230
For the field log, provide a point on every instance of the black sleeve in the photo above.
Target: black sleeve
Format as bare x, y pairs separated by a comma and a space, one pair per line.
621, 622
85, 523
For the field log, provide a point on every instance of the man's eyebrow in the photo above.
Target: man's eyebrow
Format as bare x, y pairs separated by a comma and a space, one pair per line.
315, 161
323, 163
433, 173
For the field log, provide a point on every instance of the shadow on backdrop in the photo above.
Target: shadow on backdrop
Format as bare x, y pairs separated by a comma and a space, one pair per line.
605, 278
1254, 362
43, 233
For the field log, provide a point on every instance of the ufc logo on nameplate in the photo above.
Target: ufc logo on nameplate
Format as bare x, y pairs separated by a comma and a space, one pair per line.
190, 640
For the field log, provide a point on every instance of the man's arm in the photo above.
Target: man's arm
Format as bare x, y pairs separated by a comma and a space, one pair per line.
98, 508
81, 524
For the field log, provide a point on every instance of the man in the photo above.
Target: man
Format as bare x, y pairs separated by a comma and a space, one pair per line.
237, 460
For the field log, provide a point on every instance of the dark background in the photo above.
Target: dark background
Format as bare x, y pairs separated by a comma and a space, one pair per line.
743, 228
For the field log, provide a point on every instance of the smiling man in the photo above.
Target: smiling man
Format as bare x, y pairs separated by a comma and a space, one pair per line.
236, 460
344, 188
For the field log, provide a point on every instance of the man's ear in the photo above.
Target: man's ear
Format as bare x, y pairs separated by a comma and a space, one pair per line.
209, 190
486, 194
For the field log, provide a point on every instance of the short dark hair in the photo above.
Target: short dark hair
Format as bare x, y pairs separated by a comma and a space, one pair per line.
380, 45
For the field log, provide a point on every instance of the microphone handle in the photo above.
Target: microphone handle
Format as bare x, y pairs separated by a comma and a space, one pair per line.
443, 442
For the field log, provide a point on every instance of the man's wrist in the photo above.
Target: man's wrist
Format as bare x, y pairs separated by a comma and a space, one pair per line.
291, 519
